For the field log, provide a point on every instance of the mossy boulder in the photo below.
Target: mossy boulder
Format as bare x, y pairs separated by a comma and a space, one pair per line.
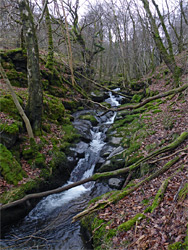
53, 108
7, 106
90, 118
9, 133
10, 168
99, 96
15, 64
39, 161
136, 85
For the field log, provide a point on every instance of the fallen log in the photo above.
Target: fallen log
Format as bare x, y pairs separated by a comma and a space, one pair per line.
120, 194
99, 176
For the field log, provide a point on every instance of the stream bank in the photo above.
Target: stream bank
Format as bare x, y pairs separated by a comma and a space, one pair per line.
87, 154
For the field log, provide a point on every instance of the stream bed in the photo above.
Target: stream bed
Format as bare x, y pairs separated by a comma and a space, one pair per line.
48, 225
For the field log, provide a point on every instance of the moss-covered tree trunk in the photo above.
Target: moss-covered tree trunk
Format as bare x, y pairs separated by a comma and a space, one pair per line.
35, 98
50, 58
168, 57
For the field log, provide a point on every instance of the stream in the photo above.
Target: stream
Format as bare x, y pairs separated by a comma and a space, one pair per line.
48, 225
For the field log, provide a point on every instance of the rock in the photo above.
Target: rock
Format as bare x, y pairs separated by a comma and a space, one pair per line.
99, 163
83, 128
80, 148
105, 167
99, 96
117, 151
106, 151
115, 140
8, 139
9, 134
115, 182
10, 169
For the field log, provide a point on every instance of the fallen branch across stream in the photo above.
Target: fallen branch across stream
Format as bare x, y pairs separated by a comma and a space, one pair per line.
99, 176
120, 194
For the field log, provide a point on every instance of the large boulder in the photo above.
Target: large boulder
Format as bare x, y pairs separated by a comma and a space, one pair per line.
80, 148
84, 129
99, 96
10, 169
9, 134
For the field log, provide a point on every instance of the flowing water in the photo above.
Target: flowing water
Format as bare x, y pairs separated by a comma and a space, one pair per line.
48, 225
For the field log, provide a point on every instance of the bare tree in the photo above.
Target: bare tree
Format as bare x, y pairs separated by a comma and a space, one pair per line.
35, 98
167, 56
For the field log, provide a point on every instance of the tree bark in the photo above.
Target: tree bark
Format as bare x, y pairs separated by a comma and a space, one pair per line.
16, 102
167, 57
35, 98
50, 57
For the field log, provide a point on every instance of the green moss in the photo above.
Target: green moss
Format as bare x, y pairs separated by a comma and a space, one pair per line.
7, 106
39, 161
101, 235
90, 118
145, 201
19, 192
53, 108
10, 168
12, 128
157, 111
128, 224
178, 246
150, 147
17, 79
137, 98
58, 158
28, 154
46, 127
183, 193
70, 133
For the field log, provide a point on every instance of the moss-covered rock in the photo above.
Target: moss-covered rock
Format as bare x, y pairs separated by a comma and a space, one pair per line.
90, 118
15, 64
19, 192
7, 106
10, 168
53, 108
9, 133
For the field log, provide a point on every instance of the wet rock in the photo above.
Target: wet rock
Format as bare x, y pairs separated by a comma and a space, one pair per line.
106, 151
105, 167
115, 182
99, 96
83, 128
8, 139
99, 163
80, 149
117, 151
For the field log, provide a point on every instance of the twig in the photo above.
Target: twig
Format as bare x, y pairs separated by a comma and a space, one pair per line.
168, 156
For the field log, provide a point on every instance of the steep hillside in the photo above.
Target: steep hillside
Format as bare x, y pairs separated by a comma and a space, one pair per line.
150, 211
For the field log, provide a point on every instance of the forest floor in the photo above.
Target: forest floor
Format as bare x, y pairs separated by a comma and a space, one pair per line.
168, 223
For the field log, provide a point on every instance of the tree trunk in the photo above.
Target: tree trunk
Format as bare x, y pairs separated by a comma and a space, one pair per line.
35, 98
16, 102
167, 57
50, 57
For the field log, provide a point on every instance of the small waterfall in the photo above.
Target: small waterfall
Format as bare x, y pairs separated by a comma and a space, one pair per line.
48, 225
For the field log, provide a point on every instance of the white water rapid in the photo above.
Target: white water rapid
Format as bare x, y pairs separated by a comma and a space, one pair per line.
48, 225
